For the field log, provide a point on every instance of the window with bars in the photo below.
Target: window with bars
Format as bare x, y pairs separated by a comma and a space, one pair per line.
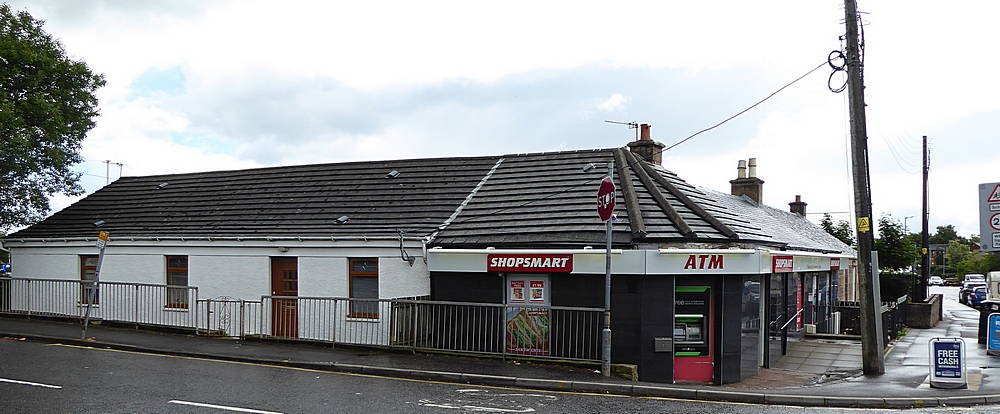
363, 275
88, 271
177, 275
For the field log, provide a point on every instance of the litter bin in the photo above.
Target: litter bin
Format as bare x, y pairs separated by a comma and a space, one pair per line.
985, 310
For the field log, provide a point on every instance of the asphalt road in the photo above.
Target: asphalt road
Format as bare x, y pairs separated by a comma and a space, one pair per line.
65, 379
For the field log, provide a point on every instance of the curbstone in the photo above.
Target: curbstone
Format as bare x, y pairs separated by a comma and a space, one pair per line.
910, 402
544, 384
731, 396
602, 388
653, 391
482, 379
968, 400
992, 399
854, 402
798, 400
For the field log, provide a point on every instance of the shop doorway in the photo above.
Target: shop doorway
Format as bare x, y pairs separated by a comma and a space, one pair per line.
694, 333
284, 282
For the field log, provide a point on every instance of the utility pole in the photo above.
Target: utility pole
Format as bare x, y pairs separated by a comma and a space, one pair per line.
873, 358
920, 290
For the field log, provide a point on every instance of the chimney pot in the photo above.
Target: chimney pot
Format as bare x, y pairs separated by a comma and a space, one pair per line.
645, 148
798, 206
751, 186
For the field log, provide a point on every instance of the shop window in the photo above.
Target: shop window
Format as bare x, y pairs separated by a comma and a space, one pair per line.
363, 275
177, 275
88, 271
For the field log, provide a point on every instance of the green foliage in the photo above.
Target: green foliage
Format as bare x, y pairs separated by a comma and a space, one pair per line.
946, 234
896, 250
842, 230
893, 285
47, 106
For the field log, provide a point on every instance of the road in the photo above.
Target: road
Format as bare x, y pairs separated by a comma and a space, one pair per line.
54, 378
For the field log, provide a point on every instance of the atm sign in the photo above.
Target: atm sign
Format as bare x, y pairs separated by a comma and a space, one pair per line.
529, 263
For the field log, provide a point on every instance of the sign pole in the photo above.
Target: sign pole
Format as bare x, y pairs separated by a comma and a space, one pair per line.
102, 242
606, 333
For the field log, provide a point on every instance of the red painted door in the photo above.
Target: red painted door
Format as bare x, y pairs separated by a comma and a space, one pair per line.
694, 339
284, 282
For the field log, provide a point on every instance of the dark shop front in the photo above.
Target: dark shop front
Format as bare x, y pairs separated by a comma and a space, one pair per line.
680, 315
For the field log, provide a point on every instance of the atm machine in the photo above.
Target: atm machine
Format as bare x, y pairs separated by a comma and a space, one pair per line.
693, 338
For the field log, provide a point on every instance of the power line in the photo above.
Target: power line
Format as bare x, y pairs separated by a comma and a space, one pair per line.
747, 108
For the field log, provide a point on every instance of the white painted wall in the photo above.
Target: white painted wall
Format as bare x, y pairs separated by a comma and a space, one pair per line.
241, 277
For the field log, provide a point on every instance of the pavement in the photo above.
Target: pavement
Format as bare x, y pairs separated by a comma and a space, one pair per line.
903, 385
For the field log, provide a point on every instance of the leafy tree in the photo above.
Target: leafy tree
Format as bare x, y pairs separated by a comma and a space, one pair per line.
895, 249
945, 234
842, 230
47, 106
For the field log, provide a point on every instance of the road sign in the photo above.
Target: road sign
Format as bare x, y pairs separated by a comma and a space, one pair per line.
993, 334
947, 363
995, 194
606, 199
989, 216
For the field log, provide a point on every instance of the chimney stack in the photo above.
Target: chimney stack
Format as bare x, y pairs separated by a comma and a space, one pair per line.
748, 185
798, 206
645, 148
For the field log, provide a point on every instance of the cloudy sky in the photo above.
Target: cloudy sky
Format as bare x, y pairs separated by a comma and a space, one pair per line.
196, 86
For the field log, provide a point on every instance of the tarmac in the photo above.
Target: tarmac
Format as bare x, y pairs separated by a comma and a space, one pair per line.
821, 378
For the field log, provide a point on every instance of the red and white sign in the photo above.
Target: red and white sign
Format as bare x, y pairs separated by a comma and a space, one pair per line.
705, 261
995, 195
995, 221
561, 263
537, 291
606, 199
835, 263
782, 264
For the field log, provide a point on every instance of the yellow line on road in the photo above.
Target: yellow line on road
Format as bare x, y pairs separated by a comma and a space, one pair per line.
254, 364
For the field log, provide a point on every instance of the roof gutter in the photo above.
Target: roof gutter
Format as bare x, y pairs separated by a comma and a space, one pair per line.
439, 250
207, 238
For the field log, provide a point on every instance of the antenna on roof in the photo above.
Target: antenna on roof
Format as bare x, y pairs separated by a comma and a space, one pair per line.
631, 125
107, 170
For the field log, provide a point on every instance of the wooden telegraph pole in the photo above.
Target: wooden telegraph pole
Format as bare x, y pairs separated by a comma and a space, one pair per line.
925, 259
873, 359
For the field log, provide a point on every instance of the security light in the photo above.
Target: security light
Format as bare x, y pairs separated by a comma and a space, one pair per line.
589, 167
99, 223
392, 174
162, 186
343, 219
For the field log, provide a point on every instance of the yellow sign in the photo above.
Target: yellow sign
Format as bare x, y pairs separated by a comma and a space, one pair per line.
103, 235
864, 224
924, 250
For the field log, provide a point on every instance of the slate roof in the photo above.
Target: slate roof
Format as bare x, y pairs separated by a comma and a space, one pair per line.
282, 201
515, 200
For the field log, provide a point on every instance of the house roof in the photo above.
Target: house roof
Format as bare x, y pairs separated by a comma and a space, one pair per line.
534, 199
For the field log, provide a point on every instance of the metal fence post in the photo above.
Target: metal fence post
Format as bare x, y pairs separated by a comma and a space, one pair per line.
29, 298
413, 317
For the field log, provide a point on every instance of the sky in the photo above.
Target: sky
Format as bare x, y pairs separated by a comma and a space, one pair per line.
199, 86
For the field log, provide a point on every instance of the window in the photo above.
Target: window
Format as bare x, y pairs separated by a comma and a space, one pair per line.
363, 275
88, 271
177, 275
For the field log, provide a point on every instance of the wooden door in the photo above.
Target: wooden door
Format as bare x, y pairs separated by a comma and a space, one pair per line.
284, 282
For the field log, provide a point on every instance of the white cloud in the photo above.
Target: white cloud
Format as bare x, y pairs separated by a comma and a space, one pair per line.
615, 102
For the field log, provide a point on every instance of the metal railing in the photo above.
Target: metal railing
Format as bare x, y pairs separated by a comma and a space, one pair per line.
140, 303
478, 328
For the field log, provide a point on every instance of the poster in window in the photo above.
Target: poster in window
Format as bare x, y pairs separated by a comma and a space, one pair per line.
537, 290
528, 330
517, 291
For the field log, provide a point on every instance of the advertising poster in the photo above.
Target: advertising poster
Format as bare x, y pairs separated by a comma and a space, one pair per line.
527, 327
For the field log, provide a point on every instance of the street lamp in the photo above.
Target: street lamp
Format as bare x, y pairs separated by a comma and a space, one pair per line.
605, 208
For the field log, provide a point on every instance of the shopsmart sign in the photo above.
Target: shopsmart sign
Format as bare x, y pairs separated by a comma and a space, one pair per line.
947, 363
556, 263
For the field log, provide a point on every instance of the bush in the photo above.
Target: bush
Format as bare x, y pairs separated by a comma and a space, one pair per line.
893, 285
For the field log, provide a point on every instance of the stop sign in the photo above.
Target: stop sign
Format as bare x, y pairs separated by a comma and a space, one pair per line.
606, 199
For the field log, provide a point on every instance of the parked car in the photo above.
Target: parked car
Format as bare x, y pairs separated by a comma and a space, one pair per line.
977, 297
967, 289
975, 277
952, 281
4, 269
935, 281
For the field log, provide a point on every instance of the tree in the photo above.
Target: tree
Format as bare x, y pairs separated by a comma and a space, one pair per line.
842, 230
945, 234
47, 106
896, 250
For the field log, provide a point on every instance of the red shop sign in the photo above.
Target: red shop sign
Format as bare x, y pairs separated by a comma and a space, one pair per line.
529, 263
835, 263
781, 264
